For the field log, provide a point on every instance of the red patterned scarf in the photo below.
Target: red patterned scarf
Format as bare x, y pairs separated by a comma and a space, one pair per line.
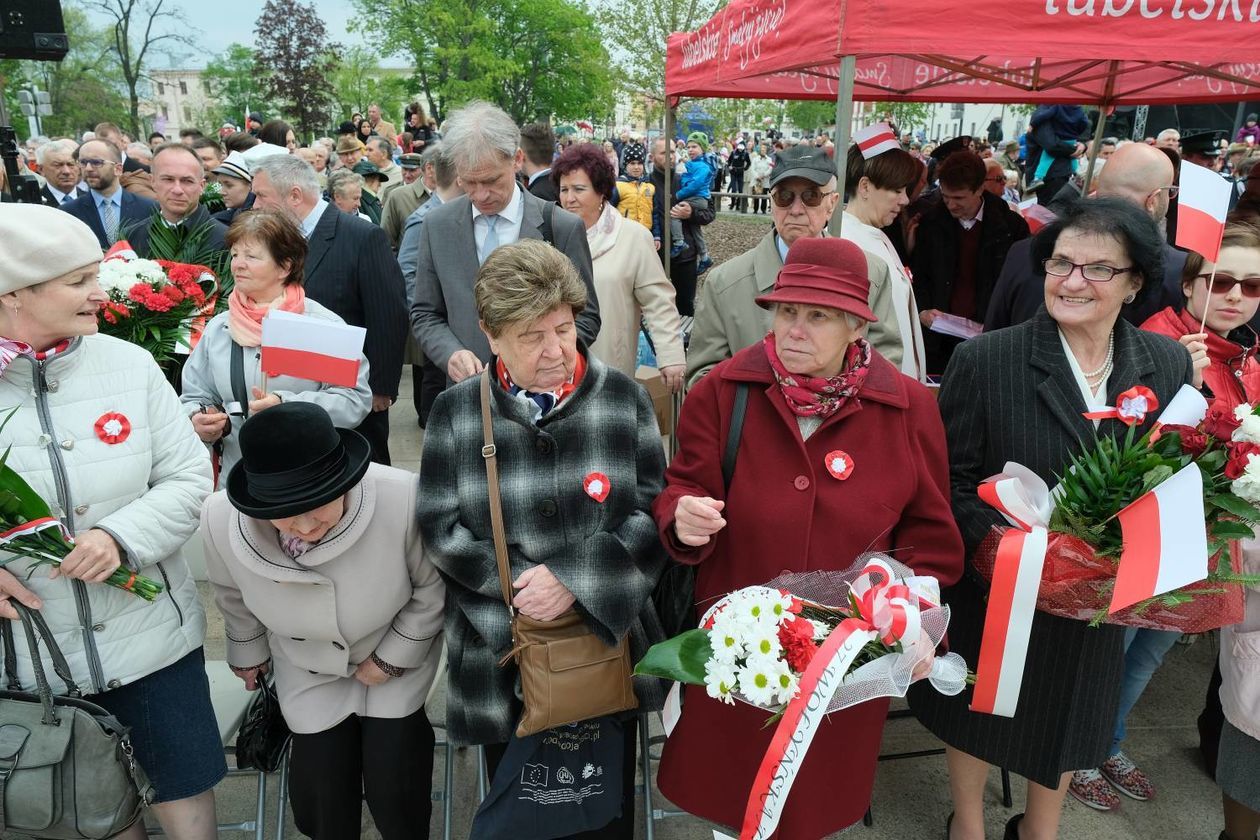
812, 396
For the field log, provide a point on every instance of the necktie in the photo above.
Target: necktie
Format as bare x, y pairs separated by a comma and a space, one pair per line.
110, 215
66, 199
492, 238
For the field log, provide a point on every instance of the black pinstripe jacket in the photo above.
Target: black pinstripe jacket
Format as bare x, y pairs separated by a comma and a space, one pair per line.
1010, 395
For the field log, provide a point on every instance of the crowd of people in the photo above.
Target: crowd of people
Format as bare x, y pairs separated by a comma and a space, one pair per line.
516, 272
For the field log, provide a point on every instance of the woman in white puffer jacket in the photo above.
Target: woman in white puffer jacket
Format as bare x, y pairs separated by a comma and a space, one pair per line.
100, 435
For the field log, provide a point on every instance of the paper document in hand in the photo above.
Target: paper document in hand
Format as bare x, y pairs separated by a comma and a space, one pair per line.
956, 326
311, 348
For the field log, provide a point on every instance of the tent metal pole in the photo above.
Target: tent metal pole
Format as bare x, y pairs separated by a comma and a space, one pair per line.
669, 171
1099, 129
844, 126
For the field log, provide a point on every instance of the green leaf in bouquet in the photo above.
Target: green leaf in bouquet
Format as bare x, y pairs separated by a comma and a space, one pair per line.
681, 658
1213, 461
1232, 529
1236, 505
1155, 476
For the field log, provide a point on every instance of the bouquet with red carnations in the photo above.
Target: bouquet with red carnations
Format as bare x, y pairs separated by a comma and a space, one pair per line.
158, 304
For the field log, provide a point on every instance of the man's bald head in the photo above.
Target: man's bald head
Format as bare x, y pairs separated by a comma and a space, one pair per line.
1141, 174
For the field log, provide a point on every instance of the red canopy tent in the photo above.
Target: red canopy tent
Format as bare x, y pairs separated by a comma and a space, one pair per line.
1101, 52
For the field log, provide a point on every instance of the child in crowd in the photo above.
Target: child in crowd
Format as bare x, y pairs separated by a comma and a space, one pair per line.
694, 187
636, 190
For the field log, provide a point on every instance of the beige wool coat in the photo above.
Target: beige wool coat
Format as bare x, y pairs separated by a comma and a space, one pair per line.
365, 587
631, 284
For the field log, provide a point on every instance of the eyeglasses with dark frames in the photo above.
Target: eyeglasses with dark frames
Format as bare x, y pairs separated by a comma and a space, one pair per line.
1093, 272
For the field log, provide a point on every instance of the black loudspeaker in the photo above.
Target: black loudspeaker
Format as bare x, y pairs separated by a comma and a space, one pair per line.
32, 29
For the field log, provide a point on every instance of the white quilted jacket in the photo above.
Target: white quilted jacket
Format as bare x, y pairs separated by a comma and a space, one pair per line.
145, 490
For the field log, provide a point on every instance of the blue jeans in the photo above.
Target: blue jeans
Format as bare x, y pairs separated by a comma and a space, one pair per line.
1144, 651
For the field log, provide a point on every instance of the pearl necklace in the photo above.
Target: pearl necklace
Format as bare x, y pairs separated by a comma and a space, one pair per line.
1105, 369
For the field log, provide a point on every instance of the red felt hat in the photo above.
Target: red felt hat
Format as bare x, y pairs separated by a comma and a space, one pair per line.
824, 271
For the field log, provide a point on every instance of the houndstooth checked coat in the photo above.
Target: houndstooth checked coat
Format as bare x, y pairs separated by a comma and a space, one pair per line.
607, 554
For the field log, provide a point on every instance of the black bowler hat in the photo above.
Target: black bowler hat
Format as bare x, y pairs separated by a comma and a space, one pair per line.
947, 148
293, 461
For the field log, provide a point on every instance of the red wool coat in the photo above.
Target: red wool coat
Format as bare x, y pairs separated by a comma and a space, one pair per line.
785, 511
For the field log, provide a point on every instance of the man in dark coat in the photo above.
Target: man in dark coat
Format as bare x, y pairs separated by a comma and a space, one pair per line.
738, 163
350, 269
538, 142
178, 180
682, 268
959, 250
102, 167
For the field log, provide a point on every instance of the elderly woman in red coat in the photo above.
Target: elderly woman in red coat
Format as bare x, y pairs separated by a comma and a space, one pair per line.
814, 387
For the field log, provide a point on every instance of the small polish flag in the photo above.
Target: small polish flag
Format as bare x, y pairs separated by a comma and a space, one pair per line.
1203, 201
120, 250
875, 140
1165, 540
311, 348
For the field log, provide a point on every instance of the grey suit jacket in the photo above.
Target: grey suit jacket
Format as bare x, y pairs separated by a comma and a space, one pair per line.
443, 314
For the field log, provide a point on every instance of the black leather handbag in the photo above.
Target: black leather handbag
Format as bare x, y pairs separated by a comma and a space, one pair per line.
264, 736
66, 764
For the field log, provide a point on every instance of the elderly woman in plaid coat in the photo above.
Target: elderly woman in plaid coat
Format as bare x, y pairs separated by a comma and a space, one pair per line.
580, 461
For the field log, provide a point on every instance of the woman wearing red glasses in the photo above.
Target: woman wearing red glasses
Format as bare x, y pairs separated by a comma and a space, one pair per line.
1227, 372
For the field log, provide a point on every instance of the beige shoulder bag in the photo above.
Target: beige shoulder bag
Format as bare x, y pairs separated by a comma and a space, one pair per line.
567, 673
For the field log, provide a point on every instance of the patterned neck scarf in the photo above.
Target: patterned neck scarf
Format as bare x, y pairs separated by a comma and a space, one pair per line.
812, 396
245, 317
10, 350
544, 401
293, 546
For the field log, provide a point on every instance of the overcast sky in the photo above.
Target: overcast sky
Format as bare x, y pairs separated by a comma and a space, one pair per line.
217, 23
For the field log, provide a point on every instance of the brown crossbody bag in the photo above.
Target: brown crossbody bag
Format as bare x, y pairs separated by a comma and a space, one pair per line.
567, 673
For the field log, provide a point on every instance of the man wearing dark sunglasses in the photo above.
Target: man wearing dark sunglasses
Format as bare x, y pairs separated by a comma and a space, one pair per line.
802, 198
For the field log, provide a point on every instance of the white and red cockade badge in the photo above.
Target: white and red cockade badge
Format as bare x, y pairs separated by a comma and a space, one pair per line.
839, 464
596, 486
1131, 407
113, 428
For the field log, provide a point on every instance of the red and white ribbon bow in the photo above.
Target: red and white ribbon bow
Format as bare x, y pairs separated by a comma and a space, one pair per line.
1131, 407
886, 604
1023, 498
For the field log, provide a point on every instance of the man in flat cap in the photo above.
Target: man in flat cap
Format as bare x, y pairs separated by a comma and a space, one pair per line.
802, 197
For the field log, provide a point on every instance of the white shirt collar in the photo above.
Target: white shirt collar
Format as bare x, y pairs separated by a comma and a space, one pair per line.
968, 224
101, 198
510, 214
312, 218
58, 194
539, 174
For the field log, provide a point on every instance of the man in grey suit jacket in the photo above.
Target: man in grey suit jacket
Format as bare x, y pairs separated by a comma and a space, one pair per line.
455, 239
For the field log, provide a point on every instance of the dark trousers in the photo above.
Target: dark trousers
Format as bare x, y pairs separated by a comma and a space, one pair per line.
683, 275
737, 186
388, 761
622, 828
427, 381
375, 427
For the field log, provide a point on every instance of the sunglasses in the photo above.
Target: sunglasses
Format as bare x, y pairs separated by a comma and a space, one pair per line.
1223, 284
809, 197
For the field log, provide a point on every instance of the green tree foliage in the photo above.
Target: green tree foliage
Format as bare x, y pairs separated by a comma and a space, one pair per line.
636, 32
294, 60
359, 81
138, 29
811, 115
236, 86
907, 116
533, 58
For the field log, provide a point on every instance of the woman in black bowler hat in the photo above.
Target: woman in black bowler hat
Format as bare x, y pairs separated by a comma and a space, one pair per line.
321, 576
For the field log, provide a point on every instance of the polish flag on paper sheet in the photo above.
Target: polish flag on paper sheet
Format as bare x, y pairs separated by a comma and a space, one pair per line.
1036, 214
311, 348
1165, 540
875, 140
1203, 201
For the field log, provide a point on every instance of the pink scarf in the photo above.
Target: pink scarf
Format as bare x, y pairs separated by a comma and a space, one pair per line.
812, 396
245, 317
